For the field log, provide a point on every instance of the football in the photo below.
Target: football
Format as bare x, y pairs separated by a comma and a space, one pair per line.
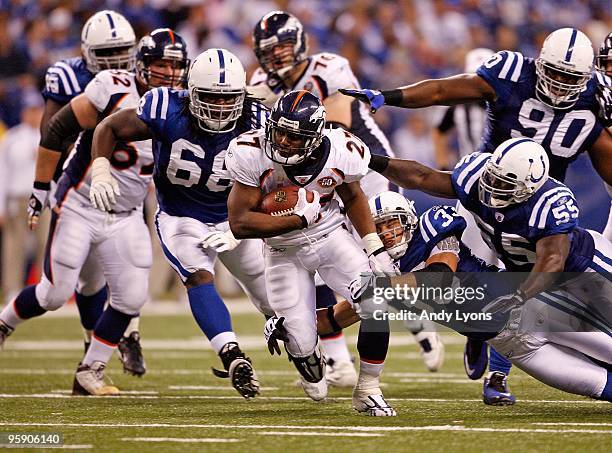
281, 201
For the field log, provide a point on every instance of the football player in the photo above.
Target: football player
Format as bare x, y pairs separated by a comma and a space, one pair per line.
118, 239
191, 130
107, 42
294, 150
553, 328
281, 47
551, 100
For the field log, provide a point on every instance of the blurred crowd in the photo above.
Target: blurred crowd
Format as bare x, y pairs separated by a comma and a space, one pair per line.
389, 43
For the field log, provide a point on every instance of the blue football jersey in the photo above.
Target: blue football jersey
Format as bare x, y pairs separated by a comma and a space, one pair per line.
435, 225
190, 174
516, 112
66, 79
513, 231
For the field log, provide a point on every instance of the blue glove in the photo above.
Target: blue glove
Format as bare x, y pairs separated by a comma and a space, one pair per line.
372, 97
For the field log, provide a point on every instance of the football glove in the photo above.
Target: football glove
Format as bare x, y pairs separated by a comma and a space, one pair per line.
104, 187
219, 241
380, 261
505, 303
373, 97
308, 211
274, 331
38, 202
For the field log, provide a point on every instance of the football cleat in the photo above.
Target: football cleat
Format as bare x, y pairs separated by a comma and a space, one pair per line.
340, 374
372, 402
5, 331
238, 368
475, 358
315, 390
432, 349
495, 390
130, 355
89, 381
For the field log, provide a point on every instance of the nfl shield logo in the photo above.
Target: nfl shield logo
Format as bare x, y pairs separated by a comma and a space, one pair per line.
499, 217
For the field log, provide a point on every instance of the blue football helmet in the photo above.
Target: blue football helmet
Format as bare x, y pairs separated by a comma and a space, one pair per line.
294, 129
279, 42
162, 45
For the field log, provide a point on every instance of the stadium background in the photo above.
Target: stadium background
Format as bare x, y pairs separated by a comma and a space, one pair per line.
389, 43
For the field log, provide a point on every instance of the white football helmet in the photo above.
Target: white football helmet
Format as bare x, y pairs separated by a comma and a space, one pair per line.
108, 42
516, 170
217, 88
563, 68
387, 206
476, 57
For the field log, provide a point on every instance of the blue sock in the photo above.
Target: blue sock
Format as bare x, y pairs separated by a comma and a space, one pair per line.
209, 311
606, 394
26, 304
91, 307
111, 325
498, 362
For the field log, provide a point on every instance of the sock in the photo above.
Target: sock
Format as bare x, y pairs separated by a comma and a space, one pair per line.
218, 341
25, 306
209, 311
108, 332
606, 394
498, 362
369, 374
335, 347
324, 296
133, 326
372, 344
91, 307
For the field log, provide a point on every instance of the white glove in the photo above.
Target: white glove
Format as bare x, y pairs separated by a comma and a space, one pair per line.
219, 241
263, 94
309, 212
103, 186
37, 203
380, 261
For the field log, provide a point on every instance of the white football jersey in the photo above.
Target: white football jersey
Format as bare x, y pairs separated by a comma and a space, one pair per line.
131, 162
346, 160
325, 74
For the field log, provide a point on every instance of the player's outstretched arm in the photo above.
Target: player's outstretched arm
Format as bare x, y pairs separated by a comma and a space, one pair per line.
410, 174
551, 253
459, 89
123, 125
601, 155
246, 222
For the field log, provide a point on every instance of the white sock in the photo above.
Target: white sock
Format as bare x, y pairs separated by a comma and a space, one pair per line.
220, 340
336, 348
133, 326
369, 374
99, 351
9, 316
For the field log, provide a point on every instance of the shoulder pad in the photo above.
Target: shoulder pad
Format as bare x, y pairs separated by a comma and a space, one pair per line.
440, 222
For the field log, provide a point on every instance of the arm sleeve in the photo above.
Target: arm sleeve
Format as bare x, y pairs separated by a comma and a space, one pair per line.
502, 71
61, 84
358, 158
148, 111
555, 212
466, 173
239, 166
97, 91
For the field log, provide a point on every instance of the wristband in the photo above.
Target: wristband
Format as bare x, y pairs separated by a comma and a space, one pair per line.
372, 244
378, 163
393, 97
39, 185
332, 320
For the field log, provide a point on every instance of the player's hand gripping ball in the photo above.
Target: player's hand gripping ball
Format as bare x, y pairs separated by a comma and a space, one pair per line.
282, 201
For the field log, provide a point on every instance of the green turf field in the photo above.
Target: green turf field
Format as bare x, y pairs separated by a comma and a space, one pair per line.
179, 405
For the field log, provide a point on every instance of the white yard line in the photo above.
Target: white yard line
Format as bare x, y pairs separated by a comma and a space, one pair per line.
195, 440
570, 424
210, 387
65, 447
317, 427
317, 433
284, 398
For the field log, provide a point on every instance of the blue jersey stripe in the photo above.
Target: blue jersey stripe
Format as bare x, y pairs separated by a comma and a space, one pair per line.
570, 48
221, 66
112, 24
604, 258
174, 260
510, 146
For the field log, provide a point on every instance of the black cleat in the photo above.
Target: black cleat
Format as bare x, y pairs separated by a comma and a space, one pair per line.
239, 369
5, 331
130, 355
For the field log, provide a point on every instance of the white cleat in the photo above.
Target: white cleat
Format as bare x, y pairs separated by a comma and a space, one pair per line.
89, 381
372, 402
315, 390
432, 349
340, 374
5, 331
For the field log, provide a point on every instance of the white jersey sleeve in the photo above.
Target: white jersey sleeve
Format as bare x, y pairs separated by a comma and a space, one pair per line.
334, 72
258, 77
107, 86
243, 158
350, 155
